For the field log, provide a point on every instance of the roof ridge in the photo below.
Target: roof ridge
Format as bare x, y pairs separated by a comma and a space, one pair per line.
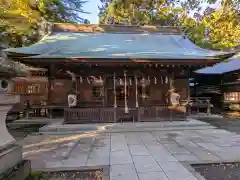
66, 27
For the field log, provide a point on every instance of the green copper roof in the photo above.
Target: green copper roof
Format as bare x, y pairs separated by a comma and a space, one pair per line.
116, 45
232, 64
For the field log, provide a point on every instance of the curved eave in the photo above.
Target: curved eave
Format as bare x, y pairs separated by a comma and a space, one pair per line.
44, 62
19, 55
107, 58
180, 56
231, 65
208, 92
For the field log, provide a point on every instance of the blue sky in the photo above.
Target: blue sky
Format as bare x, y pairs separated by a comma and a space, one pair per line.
92, 7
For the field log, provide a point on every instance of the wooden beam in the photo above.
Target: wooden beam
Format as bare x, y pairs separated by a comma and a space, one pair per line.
50, 74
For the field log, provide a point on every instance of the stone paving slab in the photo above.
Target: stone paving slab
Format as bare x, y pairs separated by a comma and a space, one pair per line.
120, 157
123, 172
208, 156
152, 176
146, 164
138, 150
168, 166
180, 176
186, 157
134, 155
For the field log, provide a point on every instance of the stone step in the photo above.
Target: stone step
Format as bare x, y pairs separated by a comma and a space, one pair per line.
124, 127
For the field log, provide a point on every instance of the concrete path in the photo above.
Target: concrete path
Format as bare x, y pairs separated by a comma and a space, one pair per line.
155, 155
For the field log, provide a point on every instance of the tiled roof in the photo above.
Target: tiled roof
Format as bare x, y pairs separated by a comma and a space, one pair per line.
232, 64
127, 45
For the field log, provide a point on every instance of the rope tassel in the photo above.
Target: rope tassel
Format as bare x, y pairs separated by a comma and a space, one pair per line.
155, 80
166, 80
130, 81
88, 80
149, 80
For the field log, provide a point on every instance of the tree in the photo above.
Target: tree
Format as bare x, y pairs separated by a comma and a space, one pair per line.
62, 10
149, 11
215, 28
21, 19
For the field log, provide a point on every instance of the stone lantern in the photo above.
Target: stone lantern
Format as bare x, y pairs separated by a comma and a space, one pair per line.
11, 162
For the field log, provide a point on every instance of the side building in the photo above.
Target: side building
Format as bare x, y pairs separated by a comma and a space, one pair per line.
33, 90
221, 82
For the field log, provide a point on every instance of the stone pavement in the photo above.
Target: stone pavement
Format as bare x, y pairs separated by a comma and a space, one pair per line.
154, 155
230, 124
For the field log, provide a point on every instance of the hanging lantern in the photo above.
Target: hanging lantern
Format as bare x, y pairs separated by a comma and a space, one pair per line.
120, 82
81, 80
144, 82
88, 80
149, 80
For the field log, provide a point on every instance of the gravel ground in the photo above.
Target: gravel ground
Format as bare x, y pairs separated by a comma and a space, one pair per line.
219, 171
68, 175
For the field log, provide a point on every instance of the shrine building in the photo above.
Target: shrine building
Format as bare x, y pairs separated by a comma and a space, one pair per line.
116, 72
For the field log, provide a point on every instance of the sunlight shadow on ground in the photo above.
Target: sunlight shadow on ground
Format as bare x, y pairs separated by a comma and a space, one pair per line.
41, 150
53, 143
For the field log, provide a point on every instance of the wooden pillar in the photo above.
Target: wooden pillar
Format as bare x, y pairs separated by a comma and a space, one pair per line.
171, 81
79, 81
136, 98
50, 74
105, 90
195, 87
170, 86
126, 110
136, 91
115, 98
114, 90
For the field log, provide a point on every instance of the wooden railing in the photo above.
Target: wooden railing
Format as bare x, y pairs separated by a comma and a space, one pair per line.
101, 114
